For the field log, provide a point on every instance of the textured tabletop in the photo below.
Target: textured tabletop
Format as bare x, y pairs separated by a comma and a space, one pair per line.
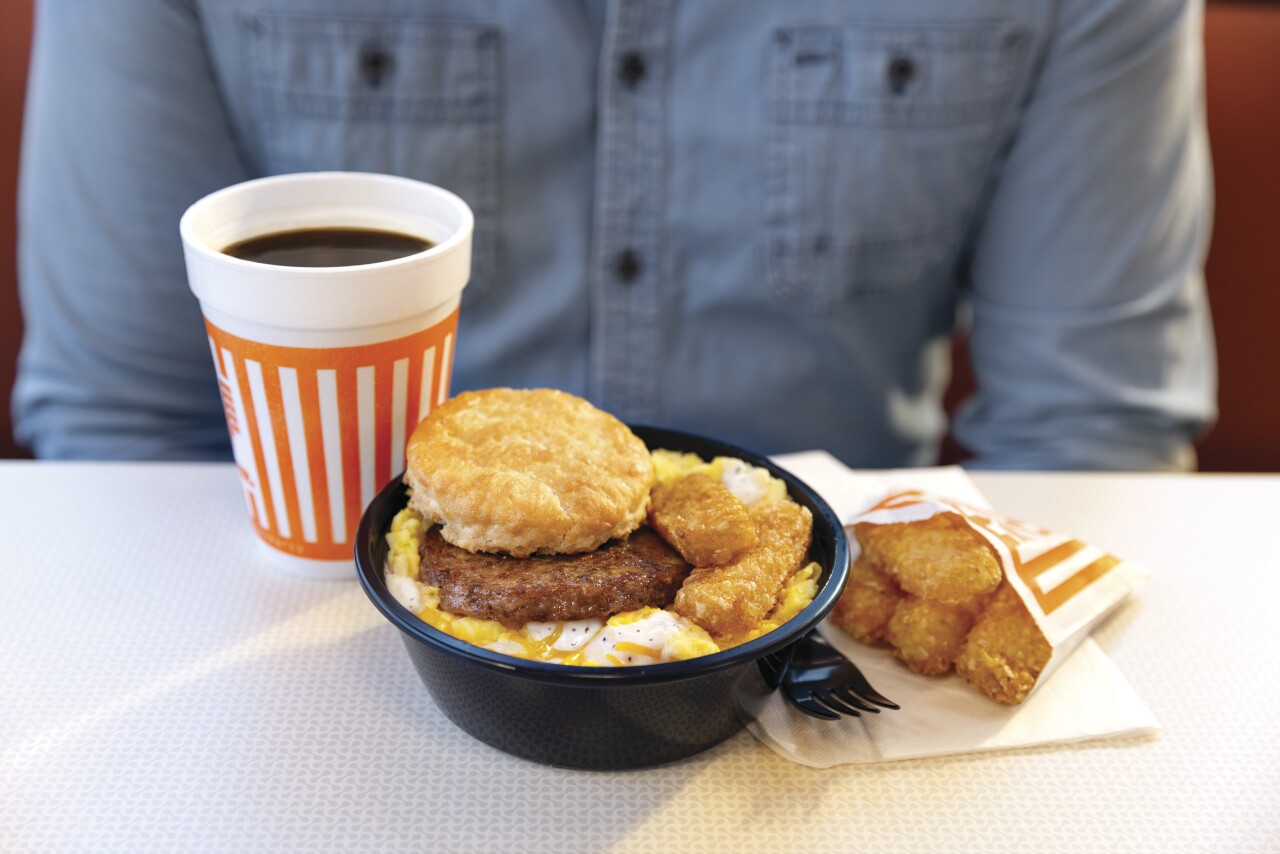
161, 689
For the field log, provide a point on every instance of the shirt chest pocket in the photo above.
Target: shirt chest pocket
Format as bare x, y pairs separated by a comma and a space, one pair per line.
416, 98
880, 140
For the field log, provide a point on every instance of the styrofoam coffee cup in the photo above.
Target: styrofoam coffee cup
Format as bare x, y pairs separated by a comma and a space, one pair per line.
324, 371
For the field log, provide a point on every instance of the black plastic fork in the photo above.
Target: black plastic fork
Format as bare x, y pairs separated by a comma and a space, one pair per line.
819, 681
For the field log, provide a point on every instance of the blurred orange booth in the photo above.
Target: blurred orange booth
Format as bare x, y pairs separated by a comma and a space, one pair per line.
1242, 44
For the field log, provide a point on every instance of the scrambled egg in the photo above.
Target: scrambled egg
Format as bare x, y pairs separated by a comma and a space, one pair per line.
643, 636
749, 483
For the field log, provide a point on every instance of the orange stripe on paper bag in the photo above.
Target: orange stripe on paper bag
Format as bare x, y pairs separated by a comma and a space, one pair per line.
1044, 574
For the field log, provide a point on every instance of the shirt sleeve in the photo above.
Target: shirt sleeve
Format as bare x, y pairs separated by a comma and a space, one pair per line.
124, 129
1091, 340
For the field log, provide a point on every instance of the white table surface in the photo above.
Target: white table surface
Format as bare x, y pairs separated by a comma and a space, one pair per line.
162, 689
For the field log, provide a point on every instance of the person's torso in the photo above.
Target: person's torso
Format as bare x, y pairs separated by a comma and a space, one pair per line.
745, 218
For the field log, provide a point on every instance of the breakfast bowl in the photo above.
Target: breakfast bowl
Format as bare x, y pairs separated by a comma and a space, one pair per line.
600, 718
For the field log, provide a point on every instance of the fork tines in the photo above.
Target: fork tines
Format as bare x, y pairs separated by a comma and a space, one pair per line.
829, 705
861, 689
819, 681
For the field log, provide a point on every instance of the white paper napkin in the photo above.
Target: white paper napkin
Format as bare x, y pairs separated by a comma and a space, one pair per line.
1085, 698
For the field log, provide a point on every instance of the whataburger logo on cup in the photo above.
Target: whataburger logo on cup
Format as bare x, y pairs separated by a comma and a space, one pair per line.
324, 371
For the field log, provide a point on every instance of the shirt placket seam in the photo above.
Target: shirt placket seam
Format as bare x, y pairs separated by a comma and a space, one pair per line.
626, 339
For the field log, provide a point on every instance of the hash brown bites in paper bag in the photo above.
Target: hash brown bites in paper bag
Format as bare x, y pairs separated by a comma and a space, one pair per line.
946, 584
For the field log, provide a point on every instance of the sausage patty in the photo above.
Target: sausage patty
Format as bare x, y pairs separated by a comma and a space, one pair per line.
623, 575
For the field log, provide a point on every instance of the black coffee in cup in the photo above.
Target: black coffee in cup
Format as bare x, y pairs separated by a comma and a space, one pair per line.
327, 247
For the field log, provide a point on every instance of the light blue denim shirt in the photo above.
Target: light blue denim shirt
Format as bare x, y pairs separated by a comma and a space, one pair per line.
756, 220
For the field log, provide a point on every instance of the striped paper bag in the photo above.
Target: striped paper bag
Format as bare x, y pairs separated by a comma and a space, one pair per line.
1067, 586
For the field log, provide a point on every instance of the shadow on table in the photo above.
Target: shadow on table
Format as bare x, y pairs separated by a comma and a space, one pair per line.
501, 800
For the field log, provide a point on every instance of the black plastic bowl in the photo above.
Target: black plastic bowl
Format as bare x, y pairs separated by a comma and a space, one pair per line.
599, 718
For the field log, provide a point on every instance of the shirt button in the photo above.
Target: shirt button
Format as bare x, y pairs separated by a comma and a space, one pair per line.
902, 69
375, 64
627, 266
631, 69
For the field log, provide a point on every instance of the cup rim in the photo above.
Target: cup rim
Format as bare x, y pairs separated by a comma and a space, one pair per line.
834, 579
186, 226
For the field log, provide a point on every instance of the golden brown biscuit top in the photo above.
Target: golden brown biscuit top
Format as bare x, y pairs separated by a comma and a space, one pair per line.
528, 471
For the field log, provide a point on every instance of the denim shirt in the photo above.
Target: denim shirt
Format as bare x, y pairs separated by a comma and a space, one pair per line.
754, 220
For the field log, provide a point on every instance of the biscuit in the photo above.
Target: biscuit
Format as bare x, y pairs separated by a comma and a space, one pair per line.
528, 472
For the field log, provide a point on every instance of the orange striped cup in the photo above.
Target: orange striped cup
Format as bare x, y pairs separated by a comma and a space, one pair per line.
325, 371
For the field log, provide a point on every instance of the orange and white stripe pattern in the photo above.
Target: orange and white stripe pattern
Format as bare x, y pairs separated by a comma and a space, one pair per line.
1053, 568
316, 432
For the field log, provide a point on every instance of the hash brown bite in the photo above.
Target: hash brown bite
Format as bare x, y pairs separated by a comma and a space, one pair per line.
868, 602
706, 523
926, 635
730, 599
527, 471
940, 558
1005, 652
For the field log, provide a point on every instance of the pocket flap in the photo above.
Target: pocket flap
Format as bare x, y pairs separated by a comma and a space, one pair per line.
376, 69
895, 75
